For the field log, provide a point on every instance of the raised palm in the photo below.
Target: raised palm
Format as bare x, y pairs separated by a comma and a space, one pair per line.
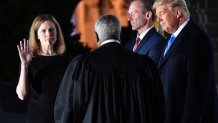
25, 52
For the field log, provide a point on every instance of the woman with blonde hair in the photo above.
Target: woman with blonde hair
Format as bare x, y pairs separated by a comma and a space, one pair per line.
43, 64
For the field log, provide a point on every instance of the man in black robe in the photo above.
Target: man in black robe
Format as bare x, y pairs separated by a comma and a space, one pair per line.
110, 84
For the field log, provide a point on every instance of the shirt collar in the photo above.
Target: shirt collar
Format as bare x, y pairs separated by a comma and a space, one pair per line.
180, 28
109, 41
145, 32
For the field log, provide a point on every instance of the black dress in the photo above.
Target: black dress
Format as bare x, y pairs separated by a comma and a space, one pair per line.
44, 77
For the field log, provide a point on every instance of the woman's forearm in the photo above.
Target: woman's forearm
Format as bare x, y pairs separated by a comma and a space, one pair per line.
22, 87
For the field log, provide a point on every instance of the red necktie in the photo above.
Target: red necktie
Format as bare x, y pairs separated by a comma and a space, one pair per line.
136, 43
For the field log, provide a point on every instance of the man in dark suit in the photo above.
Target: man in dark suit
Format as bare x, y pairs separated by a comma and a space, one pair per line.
141, 17
186, 66
110, 84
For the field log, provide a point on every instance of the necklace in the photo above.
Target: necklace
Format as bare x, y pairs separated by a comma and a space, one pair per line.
46, 54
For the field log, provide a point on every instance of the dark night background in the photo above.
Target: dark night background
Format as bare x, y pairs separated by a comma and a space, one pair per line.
16, 17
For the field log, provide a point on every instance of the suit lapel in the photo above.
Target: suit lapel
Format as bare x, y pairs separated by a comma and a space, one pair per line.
145, 40
172, 48
177, 41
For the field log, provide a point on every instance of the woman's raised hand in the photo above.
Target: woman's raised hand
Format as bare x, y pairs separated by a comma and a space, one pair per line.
25, 52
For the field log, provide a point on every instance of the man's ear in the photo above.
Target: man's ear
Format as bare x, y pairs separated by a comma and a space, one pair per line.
97, 36
148, 14
179, 13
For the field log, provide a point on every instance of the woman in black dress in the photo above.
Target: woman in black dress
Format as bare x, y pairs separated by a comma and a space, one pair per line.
43, 64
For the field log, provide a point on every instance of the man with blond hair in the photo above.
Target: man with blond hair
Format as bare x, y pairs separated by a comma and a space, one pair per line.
186, 66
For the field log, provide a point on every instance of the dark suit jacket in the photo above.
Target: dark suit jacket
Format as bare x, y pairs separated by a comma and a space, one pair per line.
110, 85
150, 45
187, 73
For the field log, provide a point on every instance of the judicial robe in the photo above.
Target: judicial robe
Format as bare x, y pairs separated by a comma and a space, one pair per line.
110, 85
